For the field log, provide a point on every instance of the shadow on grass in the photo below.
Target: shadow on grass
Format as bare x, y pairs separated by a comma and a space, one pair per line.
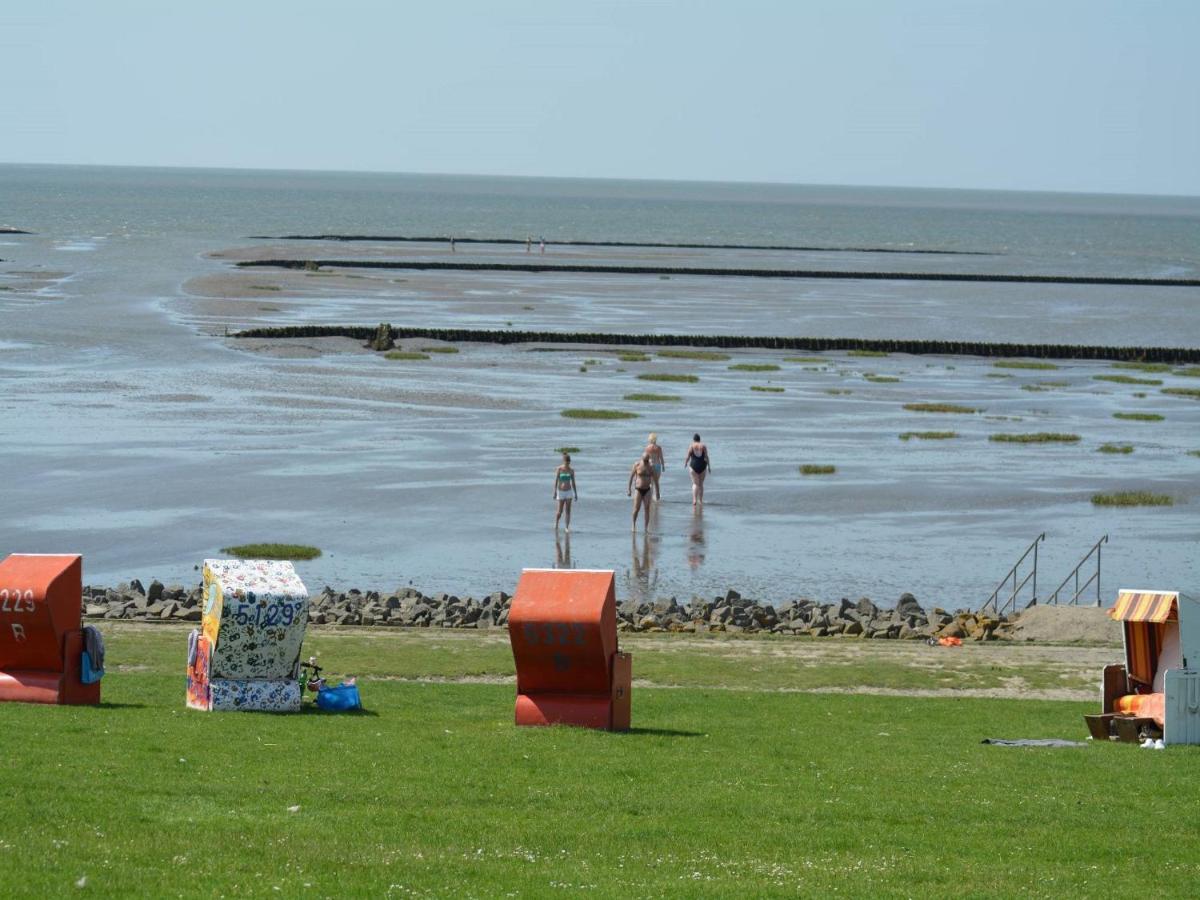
663, 732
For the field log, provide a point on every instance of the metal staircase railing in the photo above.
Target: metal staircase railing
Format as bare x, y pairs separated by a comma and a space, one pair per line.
1053, 598
1011, 601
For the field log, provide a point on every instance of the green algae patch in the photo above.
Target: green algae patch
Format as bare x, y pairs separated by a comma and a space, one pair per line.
1115, 448
665, 376
1138, 417
272, 551
1132, 498
817, 469
405, 355
704, 355
867, 353
1040, 437
754, 367
597, 414
1023, 364
766, 389
928, 435
941, 408
882, 379
1190, 393
1126, 379
1143, 366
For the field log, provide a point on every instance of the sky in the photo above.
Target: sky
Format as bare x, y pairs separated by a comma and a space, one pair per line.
1092, 96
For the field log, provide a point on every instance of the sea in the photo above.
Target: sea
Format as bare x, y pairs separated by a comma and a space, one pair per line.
132, 430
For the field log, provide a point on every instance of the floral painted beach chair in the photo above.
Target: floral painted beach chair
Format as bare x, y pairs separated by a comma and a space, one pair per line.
246, 653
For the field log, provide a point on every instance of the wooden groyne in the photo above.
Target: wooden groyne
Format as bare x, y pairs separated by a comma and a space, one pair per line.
739, 342
659, 245
669, 271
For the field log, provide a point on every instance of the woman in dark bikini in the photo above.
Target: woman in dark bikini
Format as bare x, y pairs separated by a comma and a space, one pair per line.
698, 466
643, 473
565, 490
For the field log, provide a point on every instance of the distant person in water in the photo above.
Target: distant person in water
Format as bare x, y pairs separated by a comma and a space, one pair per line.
656, 460
542, 246
565, 490
698, 465
528, 243
641, 479
451, 245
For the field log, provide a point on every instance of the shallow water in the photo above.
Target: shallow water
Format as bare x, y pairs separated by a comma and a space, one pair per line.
132, 432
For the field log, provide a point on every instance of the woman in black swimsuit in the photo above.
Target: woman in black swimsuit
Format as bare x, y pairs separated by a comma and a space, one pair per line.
643, 473
698, 465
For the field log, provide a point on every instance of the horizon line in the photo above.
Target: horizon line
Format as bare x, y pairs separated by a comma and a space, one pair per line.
608, 178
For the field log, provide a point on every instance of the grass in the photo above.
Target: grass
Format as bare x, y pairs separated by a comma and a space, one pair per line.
1132, 498
597, 414
754, 367
405, 354
663, 376
272, 551
838, 391
817, 469
591, 362
412, 786
928, 435
998, 375
1188, 372
1041, 437
805, 359
561, 450
1143, 366
881, 379
631, 356
707, 355
265, 287
1193, 453
940, 408
1126, 379
440, 348
1023, 364
1115, 448
653, 398
766, 389
866, 353
1190, 393
1138, 417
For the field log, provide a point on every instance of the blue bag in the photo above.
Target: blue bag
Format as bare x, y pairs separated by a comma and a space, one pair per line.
87, 674
340, 698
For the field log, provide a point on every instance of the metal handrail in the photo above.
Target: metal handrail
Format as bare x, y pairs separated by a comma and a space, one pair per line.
1017, 586
1053, 598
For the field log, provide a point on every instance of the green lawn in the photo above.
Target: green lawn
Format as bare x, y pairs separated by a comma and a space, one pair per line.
739, 790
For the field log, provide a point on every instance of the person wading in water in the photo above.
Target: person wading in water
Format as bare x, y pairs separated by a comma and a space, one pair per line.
565, 490
641, 477
698, 465
656, 460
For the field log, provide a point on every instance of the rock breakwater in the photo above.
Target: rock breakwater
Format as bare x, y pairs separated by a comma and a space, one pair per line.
730, 613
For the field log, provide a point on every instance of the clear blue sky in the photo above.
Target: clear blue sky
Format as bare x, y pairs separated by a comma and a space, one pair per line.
1072, 95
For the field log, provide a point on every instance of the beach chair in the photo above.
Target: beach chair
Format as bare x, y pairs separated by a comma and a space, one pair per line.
1157, 688
562, 624
41, 642
246, 653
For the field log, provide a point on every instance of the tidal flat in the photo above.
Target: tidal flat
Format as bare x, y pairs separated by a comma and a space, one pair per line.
145, 437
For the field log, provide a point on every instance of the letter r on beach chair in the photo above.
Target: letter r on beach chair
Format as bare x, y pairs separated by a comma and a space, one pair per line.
563, 627
41, 644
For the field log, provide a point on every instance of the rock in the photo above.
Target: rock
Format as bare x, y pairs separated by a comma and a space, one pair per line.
155, 591
866, 608
190, 615
95, 610
382, 339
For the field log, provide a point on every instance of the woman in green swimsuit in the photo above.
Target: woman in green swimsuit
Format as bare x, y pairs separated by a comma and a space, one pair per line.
565, 490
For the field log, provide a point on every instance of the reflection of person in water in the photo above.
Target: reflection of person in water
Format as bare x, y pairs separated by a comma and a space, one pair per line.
562, 551
643, 565
695, 547
641, 476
